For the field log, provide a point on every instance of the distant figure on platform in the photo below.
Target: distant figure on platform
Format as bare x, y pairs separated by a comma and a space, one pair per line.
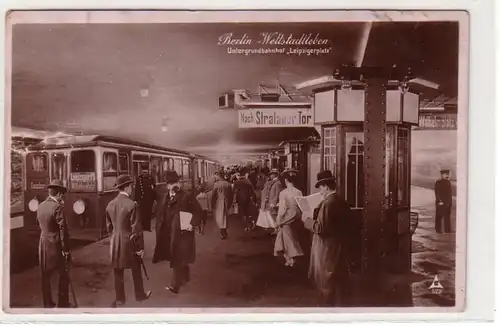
127, 242
328, 267
203, 199
245, 197
289, 221
145, 195
252, 177
53, 250
442, 190
222, 200
269, 201
174, 242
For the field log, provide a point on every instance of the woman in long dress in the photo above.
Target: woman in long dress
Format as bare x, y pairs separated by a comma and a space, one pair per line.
269, 201
288, 221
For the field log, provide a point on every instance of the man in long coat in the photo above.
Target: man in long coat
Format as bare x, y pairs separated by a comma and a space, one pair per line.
53, 250
328, 267
173, 243
246, 199
127, 242
145, 195
222, 200
444, 201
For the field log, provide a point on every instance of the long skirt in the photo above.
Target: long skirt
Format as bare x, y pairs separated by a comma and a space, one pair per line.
266, 220
287, 243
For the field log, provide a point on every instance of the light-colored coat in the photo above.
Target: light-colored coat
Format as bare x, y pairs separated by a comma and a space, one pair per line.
123, 222
222, 200
288, 217
270, 194
328, 266
54, 235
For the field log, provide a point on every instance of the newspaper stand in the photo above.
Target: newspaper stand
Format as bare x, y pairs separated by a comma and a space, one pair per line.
366, 115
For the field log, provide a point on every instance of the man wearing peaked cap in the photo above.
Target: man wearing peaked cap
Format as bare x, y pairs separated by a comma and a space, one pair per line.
145, 196
127, 242
443, 193
54, 244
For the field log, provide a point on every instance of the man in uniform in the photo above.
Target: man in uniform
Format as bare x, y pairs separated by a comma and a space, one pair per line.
54, 245
145, 195
442, 190
127, 242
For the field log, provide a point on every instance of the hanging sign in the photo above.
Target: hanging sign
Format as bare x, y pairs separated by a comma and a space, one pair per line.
275, 118
438, 121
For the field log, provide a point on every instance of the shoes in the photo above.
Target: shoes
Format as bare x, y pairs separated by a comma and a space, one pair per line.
117, 304
172, 289
146, 296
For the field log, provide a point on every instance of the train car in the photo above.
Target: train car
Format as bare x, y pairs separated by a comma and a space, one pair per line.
89, 165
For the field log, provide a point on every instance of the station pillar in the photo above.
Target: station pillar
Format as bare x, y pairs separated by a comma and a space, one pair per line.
366, 115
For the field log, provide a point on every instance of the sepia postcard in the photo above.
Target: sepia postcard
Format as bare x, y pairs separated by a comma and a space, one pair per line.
124, 123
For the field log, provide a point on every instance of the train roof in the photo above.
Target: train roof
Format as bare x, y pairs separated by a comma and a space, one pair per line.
90, 140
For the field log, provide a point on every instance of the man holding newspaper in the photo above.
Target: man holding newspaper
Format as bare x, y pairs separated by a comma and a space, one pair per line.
175, 239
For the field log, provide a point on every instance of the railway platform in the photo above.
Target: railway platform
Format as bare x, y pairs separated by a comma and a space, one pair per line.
242, 272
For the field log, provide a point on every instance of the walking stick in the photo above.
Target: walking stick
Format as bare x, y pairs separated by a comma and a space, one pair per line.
139, 258
72, 289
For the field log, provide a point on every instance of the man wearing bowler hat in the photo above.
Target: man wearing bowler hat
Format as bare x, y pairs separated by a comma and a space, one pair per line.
127, 242
175, 241
328, 267
442, 190
53, 248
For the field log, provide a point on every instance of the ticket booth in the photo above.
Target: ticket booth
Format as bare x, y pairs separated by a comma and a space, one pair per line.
297, 155
366, 116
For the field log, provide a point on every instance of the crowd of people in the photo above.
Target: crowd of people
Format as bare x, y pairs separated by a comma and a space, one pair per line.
262, 198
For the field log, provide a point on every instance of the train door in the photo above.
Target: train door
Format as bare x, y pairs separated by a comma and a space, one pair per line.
37, 178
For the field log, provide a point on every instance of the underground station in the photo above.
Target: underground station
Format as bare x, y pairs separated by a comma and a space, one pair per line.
364, 117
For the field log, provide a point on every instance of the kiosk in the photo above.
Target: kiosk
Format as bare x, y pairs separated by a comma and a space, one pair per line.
366, 116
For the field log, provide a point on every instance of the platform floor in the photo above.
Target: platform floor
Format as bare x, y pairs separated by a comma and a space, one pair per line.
242, 272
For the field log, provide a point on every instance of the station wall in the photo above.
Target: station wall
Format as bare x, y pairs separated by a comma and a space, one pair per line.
433, 150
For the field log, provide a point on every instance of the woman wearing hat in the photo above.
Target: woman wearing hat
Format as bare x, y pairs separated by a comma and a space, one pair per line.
54, 244
288, 216
269, 201
329, 262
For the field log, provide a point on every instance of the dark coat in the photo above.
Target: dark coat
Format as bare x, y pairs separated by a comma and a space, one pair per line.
54, 237
442, 190
328, 264
144, 191
172, 244
126, 231
245, 196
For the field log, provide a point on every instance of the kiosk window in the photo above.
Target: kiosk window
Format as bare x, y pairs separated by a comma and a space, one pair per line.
60, 168
403, 182
39, 163
330, 149
354, 177
123, 162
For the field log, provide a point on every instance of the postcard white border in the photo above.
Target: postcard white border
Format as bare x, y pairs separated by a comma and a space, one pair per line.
480, 159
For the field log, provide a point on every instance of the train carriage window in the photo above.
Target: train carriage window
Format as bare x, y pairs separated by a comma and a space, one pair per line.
138, 160
59, 168
38, 162
109, 170
178, 167
123, 163
83, 171
186, 169
155, 169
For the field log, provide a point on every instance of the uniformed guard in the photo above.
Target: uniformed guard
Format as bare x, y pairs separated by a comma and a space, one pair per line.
145, 195
442, 190
54, 245
127, 242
